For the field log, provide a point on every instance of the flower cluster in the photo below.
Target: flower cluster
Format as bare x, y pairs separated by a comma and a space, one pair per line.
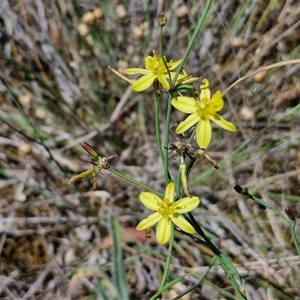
202, 111
167, 212
155, 68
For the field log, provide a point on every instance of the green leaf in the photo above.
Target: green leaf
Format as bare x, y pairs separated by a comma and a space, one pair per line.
118, 268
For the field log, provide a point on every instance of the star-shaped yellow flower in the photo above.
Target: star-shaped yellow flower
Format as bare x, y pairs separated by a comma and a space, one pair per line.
167, 212
202, 111
154, 68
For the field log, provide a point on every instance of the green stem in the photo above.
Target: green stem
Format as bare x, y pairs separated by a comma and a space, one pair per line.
295, 240
164, 154
167, 286
166, 142
193, 39
168, 260
129, 179
161, 52
188, 290
225, 263
275, 210
169, 109
157, 128
282, 216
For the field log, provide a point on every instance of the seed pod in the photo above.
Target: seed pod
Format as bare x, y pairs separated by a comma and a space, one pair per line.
182, 11
260, 76
121, 11
138, 32
89, 18
40, 113
98, 13
237, 42
83, 29
246, 113
24, 149
25, 100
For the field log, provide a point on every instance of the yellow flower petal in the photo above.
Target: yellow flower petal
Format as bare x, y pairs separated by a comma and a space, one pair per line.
170, 192
150, 62
179, 78
183, 224
163, 230
187, 105
150, 200
149, 222
219, 120
190, 121
203, 133
133, 71
186, 204
174, 64
154, 68
205, 91
216, 101
163, 80
203, 112
143, 83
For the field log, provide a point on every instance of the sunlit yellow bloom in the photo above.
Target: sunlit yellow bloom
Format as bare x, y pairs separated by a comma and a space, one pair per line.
167, 212
154, 68
202, 111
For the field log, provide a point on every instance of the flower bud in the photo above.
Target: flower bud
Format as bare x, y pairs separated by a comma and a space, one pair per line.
290, 214
183, 178
89, 149
82, 175
162, 20
190, 80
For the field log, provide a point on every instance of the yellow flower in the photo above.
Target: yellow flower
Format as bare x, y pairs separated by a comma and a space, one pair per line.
167, 212
202, 111
154, 68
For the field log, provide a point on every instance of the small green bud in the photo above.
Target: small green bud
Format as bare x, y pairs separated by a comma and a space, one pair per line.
162, 20
182, 170
184, 88
82, 175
